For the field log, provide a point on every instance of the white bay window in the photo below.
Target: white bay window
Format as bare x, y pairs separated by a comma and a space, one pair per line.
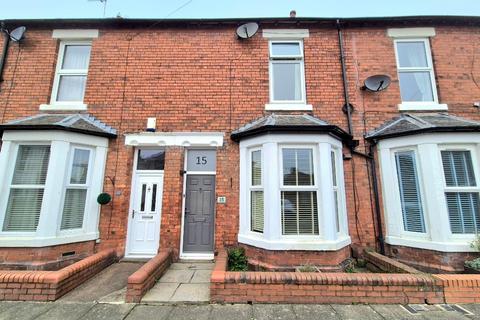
53, 179
430, 190
292, 193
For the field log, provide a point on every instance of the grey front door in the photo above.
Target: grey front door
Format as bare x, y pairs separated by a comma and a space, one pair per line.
199, 214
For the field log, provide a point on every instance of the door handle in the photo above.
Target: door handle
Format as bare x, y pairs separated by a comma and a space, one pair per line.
133, 214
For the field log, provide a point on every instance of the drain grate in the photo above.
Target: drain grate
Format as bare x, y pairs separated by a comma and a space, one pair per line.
454, 308
415, 308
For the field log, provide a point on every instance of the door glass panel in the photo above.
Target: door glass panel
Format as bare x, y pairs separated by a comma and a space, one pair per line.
154, 197
144, 194
151, 159
201, 160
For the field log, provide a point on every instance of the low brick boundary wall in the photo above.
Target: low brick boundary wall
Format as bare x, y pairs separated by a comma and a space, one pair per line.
144, 278
51, 285
460, 288
387, 264
297, 287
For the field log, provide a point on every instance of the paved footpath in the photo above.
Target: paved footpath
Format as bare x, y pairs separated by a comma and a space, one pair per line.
70, 311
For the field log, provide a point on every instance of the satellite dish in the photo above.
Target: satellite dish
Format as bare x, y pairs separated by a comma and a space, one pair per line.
377, 83
247, 30
17, 34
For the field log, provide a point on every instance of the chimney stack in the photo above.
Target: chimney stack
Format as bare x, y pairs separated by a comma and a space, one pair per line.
293, 14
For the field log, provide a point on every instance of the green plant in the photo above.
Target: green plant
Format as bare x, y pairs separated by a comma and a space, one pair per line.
474, 264
475, 244
237, 260
350, 266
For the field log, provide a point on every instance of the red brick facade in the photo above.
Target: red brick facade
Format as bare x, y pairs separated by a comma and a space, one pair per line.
199, 78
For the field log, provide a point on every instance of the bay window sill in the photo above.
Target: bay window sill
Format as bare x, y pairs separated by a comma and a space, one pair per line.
422, 106
12, 241
455, 245
63, 107
294, 244
288, 107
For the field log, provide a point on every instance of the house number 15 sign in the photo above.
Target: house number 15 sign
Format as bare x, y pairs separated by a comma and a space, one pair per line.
201, 160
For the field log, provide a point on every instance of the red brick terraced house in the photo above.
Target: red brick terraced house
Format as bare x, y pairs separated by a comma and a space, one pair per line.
204, 140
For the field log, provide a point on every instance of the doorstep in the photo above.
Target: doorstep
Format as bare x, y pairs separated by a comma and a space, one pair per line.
183, 282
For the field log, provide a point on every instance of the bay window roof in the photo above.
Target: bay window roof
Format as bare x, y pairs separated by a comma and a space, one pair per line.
282, 123
409, 124
78, 122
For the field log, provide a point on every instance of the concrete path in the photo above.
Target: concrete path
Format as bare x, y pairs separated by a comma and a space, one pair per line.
77, 311
184, 282
110, 285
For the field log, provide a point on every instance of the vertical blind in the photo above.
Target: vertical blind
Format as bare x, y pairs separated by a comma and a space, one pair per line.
463, 206
256, 193
26, 190
76, 191
411, 202
299, 206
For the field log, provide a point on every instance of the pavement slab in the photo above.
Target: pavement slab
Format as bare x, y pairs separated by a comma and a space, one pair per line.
192, 266
5, 305
178, 276
389, 311
162, 291
191, 312
108, 311
444, 315
315, 311
201, 276
273, 311
232, 311
145, 312
354, 312
66, 311
26, 310
192, 292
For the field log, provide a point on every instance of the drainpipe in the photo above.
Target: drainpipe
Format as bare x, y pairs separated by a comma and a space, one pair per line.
376, 196
347, 106
3, 58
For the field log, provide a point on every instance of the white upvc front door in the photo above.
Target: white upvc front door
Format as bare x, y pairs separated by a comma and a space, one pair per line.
145, 215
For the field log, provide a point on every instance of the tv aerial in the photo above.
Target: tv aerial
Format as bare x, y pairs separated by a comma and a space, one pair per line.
247, 30
104, 5
377, 83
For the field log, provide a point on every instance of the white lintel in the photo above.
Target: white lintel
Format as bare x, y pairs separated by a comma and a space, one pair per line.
184, 139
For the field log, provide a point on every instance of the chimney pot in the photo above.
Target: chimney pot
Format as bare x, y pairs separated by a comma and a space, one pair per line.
293, 14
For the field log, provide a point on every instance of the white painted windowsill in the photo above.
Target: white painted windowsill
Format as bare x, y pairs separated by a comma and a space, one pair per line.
452, 246
421, 106
63, 107
294, 244
12, 241
288, 107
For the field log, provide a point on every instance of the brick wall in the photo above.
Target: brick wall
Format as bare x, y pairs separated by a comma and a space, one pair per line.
203, 79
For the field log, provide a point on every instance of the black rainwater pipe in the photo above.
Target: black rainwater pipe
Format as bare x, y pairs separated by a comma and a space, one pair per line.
347, 105
3, 58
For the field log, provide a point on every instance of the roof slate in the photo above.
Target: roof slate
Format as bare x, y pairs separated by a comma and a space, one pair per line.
408, 124
83, 123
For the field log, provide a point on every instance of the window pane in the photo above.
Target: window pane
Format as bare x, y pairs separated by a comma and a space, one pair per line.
412, 54
256, 168
31, 165
151, 159
80, 166
23, 210
334, 169
463, 211
299, 213
76, 57
287, 81
286, 49
73, 209
256, 210
298, 167
416, 86
458, 169
71, 88
410, 198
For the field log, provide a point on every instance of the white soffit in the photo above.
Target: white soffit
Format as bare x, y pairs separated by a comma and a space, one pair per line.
285, 33
410, 32
184, 139
74, 34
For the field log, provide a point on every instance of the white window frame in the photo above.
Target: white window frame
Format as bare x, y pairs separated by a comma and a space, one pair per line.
431, 178
69, 185
272, 239
67, 105
475, 163
340, 188
288, 59
48, 231
255, 187
313, 187
419, 105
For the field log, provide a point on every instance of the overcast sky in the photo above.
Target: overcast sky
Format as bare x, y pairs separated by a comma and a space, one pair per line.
12, 9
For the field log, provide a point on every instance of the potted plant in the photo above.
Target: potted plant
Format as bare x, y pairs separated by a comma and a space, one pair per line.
473, 266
